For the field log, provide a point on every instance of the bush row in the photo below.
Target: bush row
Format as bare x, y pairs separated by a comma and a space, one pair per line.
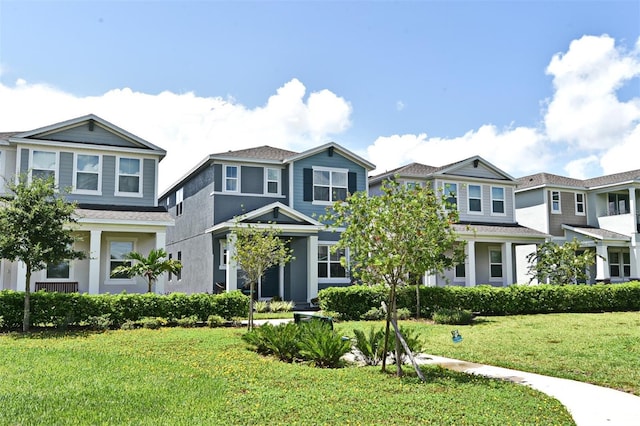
61, 309
352, 302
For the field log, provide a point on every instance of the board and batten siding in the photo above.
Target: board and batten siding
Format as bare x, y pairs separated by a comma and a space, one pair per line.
322, 159
485, 216
567, 213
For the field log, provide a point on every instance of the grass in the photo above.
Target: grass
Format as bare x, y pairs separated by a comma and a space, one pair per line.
602, 349
175, 376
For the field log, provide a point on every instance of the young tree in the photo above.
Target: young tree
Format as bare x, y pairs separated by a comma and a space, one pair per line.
256, 250
560, 264
150, 267
35, 229
403, 233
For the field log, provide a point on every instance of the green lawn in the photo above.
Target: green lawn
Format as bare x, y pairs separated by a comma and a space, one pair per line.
207, 376
603, 349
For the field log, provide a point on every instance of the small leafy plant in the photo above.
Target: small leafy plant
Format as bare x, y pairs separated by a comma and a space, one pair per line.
188, 322
322, 346
452, 316
281, 306
214, 321
370, 345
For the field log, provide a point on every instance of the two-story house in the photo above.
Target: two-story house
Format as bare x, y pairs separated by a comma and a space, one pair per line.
484, 197
600, 212
112, 175
264, 186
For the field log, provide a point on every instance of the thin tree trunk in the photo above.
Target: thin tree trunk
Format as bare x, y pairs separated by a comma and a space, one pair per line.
26, 320
386, 339
250, 322
394, 314
418, 299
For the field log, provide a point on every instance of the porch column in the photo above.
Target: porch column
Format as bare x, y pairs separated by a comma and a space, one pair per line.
470, 262
312, 267
232, 265
633, 209
21, 278
508, 262
281, 281
94, 261
602, 263
161, 242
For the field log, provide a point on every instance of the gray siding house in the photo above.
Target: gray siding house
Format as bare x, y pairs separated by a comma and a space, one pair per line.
601, 213
113, 176
484, 197
261, 186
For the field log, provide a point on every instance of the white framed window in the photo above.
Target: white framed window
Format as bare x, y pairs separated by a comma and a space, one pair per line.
118, 249
475, 198
224, 254
179, 273
179, 201
330, 185
329, 265
87, 170
170, 273
555, 202
497, 201
58, 271
495, 264
129, 171
618, 204
44, 164
450, 192
272, 181
231, 178
619, 263
580, 204
459, 272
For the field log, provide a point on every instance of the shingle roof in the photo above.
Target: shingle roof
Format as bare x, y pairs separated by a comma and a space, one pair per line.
264, 152
411, 169
550, 179
597, 232
129, 216
504, 229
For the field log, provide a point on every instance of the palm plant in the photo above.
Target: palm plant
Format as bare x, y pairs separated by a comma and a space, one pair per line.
150, 267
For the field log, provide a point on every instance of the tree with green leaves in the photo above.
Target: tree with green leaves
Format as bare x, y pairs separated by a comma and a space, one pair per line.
35, 222
403, 233
149, 267
258, 248
564, 263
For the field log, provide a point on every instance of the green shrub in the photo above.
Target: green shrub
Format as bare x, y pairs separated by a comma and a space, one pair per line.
280, 340
452, 316
229, 305
373, 314
1, 321
335, 316
403, 313
281, 306
129, 325
353, 301
152, 323
188, 322
371, 345
100, 322
261, 306
320, 345
214, 321
413, 341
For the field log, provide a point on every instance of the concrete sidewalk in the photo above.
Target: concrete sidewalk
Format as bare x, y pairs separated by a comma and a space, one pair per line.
589, 405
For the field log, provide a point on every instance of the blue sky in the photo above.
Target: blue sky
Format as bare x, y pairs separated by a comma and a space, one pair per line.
529, 85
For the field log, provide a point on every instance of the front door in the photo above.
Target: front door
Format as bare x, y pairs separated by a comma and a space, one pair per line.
270, 284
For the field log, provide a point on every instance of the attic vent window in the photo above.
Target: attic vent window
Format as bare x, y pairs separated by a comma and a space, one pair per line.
475, 163
91, 125
330, 151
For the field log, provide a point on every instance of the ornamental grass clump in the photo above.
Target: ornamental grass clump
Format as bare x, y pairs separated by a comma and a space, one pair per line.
452, 316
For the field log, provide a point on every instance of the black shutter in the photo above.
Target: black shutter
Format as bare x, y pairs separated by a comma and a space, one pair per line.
307, 184
353, 186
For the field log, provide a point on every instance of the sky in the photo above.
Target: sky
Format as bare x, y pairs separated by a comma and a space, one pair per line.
530, 86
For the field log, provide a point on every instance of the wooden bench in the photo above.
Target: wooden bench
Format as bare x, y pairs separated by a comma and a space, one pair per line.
59, 286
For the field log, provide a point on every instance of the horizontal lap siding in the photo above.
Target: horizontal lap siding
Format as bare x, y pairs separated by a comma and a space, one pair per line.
98, 136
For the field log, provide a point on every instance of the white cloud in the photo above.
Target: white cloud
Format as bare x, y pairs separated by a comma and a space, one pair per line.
187, 126
578, 168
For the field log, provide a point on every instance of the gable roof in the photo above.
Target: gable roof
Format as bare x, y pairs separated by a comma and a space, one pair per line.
332, 146
90, 119
264, 152
548, 179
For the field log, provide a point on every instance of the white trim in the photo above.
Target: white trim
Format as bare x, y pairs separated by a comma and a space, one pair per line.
97, 191
224, 178
69, 278
445, 194
329, 279
118, 281
499, 250
551, 201
469, 198
267, 181
247, 194
224, 253
331, 170
180, 201
344, 152
55, 169
504, 200
584, 204
117, 191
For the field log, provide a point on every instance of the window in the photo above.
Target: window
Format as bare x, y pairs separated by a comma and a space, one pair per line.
618, 204
460, 271
129, 176
272, 180
329, 265
224, 254
43, 164
179, 273
179, 202
475, 199
329, 185
117, 252
412, 185
58, 271
451, 194
580, 211
555, 202
497, 200
619, 264
231, 179
170, 274
495, 263
87, 173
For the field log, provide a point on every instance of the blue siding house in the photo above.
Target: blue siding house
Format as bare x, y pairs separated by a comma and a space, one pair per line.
262, 186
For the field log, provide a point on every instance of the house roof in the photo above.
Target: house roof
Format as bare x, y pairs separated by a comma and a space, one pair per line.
549, 179
264, 152
498, 229
332, 146
124, 216
598, 233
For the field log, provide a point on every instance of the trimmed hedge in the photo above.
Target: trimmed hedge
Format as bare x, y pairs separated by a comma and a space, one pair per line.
62, 309
487, 300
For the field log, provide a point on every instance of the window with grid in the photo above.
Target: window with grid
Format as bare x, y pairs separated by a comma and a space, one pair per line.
495, 263
475, 199
231, 179
497, 200
272, 181
43, 165
179, 201
329, 265
619, 264
330, 185
555, 202
87, 172
580, 209
129, 174
117, 257
451, 194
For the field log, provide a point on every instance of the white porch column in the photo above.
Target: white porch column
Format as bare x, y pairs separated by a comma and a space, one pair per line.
470, 281
312, 267
232, 264
281, 281
602, 263
508, 262
633, 209
21, 278
161, 242
94, 261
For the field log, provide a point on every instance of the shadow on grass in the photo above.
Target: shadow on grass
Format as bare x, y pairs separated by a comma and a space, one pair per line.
435, 374
52, 333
